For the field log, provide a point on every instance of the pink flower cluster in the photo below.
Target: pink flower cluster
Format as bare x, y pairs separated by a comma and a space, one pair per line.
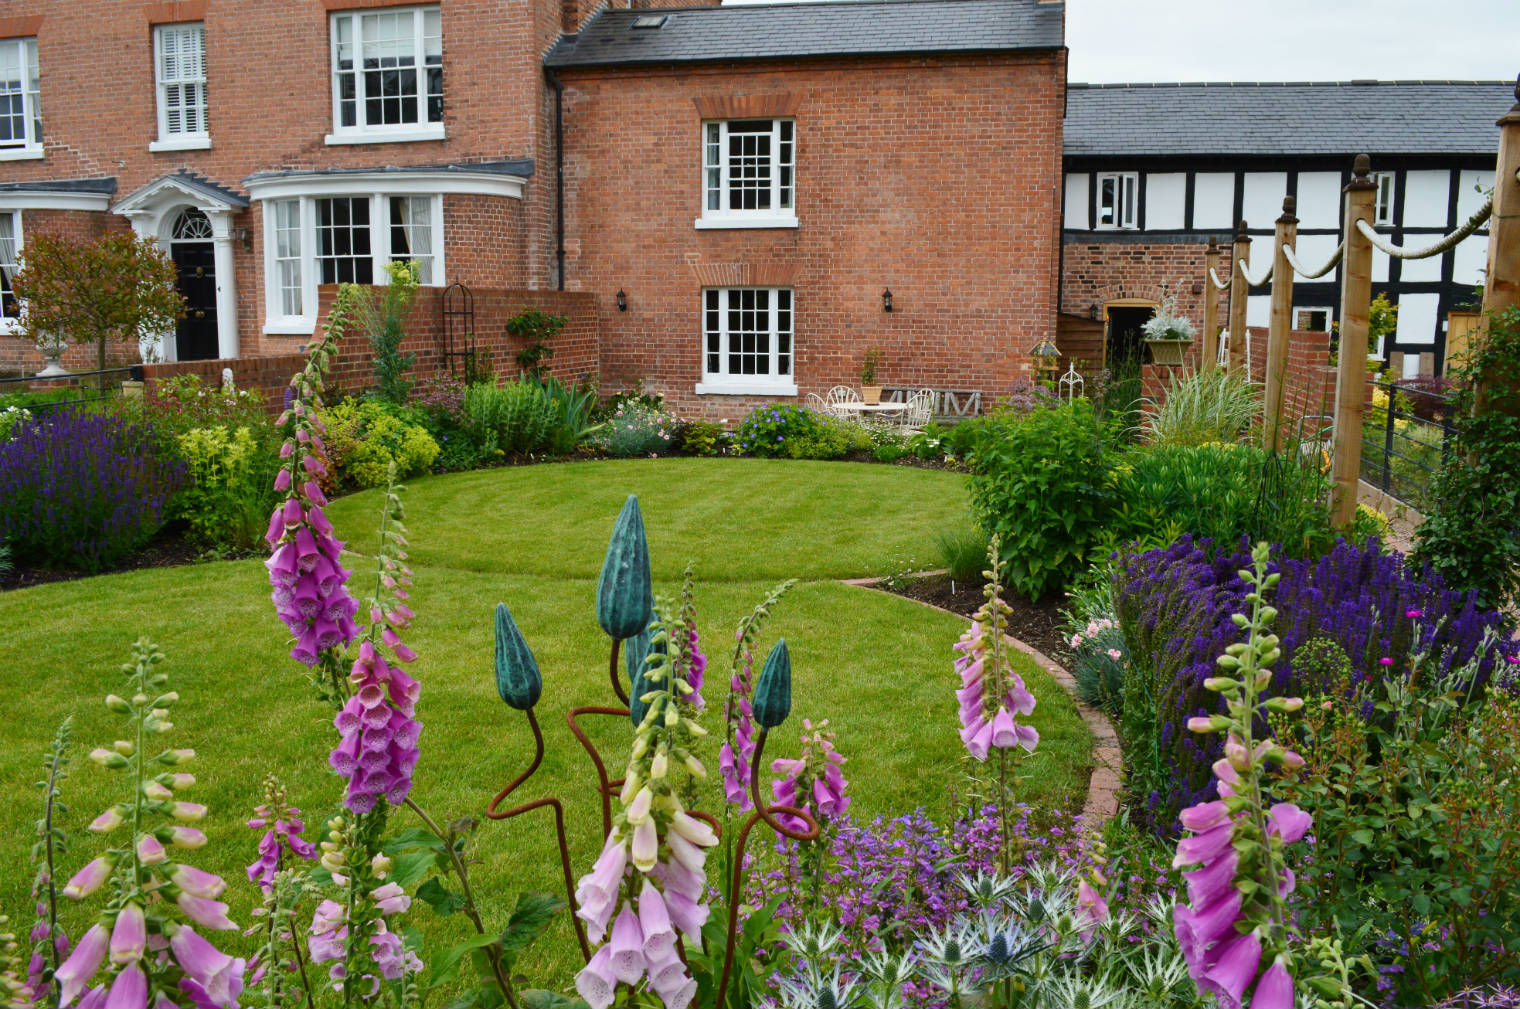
211, 979
329, 939
739, 749
1222, 957
697, 669
309, 583
813, 781
991, 694
379, 747
671, 899
284, 833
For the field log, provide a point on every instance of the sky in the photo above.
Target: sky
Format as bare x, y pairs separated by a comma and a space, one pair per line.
1292, 40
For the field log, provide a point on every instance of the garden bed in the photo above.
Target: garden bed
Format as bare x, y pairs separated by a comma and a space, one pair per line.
1038, 625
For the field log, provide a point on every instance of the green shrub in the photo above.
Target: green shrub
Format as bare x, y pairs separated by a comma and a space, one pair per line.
1040, 482
701, 437
364, 437
1472, 536
1203, 407
385, 324
795, 432
230, 488
516, 417
536, 329
572, 408
638, 429
11, 417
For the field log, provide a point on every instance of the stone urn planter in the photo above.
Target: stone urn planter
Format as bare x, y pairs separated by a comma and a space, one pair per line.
52, 352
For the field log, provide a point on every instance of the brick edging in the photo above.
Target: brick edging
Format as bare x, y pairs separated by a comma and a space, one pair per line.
1108, 762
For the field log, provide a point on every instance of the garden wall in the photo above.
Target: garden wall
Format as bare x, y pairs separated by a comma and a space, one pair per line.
576, 351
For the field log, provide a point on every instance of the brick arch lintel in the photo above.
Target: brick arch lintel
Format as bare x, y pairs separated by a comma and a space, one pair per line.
1121, 292
745, 274
768, 106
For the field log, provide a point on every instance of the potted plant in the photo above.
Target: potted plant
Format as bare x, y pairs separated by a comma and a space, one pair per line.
1168, 333
869, 390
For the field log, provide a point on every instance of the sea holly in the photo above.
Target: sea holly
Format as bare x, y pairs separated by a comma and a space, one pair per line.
1236, 930
146, 937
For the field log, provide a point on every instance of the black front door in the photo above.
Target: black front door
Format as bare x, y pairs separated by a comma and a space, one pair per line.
195, 336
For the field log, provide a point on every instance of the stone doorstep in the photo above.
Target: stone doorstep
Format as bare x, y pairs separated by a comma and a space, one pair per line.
1108, 763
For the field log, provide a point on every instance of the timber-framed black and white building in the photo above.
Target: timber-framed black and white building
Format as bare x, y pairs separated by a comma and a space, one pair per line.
1153, 171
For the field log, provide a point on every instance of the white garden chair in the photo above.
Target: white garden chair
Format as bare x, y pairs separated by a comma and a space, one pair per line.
818, 404
841, 394
920, 410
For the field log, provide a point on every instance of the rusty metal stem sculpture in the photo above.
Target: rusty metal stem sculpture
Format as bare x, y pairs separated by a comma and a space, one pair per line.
559, 825
612, 674
604, 784
765, 813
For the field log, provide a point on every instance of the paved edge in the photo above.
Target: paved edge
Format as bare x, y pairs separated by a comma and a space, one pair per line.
1108, 763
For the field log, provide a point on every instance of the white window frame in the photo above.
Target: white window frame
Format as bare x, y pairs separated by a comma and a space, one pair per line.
1382, 203
1327, 309
715, 133
360, 132
179, 140
276, 319
30, 146
771, 384
1127, 201
11, 323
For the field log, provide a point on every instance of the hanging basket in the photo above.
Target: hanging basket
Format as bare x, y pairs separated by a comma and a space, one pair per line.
1168, 353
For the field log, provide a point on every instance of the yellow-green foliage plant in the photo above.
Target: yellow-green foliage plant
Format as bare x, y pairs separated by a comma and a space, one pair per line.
364, 438
1202, 407
227, 495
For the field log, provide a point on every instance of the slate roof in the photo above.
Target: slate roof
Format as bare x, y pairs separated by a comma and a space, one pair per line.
781, 31
106, 186
1388, 117
520, 167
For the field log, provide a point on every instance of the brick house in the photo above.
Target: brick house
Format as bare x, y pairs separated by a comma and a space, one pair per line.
752, 180
1153, 171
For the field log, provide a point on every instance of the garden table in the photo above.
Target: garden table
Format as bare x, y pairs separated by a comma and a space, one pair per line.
885, 409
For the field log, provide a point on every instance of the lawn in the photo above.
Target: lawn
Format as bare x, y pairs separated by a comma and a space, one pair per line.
878, 667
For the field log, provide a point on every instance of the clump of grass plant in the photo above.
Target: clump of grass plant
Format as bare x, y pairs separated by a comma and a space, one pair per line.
962, 552
1202, 407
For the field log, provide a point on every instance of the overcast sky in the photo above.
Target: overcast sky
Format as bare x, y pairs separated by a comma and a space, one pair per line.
1292, 40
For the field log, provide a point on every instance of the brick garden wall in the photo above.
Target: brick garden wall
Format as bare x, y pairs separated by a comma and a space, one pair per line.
575, 351
935, 177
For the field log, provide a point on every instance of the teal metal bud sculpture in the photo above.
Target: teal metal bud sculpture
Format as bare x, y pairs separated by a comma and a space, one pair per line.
773, 694
624, 595
636, 659
517, 676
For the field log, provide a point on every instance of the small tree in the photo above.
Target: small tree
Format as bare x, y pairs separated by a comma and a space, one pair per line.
119, 287
386, 324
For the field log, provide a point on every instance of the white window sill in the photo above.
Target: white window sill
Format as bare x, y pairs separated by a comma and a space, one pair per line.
434, 132
21, 154
181, 144
290, 327
718, 223
722, 388
9, 326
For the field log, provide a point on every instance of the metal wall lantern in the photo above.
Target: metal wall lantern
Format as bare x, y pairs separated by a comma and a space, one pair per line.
886, 300
622, 300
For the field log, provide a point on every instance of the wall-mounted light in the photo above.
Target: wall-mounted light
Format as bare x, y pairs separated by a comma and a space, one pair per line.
886, 300
622, 300
244, 236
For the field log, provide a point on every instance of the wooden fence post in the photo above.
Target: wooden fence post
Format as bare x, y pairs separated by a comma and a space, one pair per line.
1210, 308
1240, 258
1501, 285
1351, 379
1279, 325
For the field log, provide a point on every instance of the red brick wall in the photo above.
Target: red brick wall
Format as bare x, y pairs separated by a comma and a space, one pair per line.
268, 88
1099, 272
575, 351
935, 177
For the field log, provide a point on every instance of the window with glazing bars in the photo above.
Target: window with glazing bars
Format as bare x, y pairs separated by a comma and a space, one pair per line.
180, 59
747, 167
748, 332
20, 98
343, 241
388, 68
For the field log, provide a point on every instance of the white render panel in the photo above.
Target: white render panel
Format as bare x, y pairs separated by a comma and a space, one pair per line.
1076, 201
1264, 192
1421, 270
1379, 268
1426, 196
1469, 260
1411, 366
1214, 201
1258, 310
1313, 252
1165, 201
1319, 200
1417, 319
1469, 196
